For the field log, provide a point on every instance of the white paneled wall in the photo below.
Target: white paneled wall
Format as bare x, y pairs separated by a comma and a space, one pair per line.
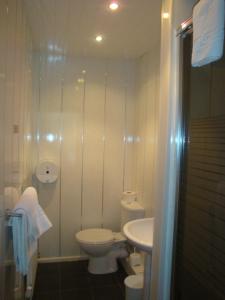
86, 124
94, 140
147, 120
15, 122
72, 157
49, 144
16, 94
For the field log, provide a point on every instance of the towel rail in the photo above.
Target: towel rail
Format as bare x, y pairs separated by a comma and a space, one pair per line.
10, 214
185, 28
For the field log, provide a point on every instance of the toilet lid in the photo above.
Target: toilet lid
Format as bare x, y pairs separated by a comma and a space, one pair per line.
95, 236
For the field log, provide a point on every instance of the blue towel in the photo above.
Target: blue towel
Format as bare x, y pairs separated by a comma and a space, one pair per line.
20, 244
208, 32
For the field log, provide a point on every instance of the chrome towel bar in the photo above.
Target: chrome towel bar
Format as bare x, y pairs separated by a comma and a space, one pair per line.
10, 214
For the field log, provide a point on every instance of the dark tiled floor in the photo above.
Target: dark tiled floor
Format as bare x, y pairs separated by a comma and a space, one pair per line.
71, 280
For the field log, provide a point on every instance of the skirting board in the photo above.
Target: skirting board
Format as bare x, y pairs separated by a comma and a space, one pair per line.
124, 261
61, 259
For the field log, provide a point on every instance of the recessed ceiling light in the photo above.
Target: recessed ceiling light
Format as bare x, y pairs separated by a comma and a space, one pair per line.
114, 5
99, 38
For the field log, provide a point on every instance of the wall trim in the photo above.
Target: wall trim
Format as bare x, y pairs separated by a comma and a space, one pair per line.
61, 259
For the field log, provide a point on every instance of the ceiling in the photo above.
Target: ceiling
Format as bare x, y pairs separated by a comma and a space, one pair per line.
70, 27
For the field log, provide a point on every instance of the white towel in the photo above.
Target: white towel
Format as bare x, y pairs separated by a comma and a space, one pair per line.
27, 228
11, 197
208, 32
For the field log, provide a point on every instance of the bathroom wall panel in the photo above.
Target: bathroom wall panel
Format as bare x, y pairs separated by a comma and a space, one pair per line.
23, 95
97, 147
142, 98
72, 156
147, 108
15, 111
10, 92
3, 43
130, 127
50, 147
18, 104
114, 149
94, 119
151, 133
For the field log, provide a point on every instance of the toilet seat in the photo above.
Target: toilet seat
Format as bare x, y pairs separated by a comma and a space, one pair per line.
95, 236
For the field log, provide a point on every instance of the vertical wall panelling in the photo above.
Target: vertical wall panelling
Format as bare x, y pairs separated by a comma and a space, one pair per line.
130, 116
11, 34
96, 155
15, 124
114, 143
147, 95
3, 28
141, 124
71, 161
18, 94
93, 143
49, 145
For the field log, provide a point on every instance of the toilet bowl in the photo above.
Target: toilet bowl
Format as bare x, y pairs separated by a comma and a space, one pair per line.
103, 248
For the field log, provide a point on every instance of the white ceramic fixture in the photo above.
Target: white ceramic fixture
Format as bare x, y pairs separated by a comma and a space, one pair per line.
104, 246
140, 233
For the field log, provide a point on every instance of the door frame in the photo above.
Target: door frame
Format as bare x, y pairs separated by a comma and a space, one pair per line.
170, 144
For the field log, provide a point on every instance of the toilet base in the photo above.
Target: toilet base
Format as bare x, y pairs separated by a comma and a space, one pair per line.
102, 265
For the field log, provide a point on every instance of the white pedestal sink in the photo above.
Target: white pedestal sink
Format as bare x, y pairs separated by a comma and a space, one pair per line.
140, 234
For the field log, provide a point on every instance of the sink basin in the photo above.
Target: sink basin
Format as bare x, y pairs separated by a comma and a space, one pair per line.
140, 233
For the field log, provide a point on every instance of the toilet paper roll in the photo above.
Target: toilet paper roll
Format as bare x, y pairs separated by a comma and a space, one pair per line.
129, 195
47, 172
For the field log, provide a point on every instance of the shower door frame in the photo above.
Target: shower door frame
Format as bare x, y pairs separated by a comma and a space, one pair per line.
167, 171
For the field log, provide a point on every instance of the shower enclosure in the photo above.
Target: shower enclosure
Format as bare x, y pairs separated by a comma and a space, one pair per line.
200, 240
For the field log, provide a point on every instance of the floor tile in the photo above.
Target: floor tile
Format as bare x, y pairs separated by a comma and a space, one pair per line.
48, 268
47, 296
109, 293
47, 283
79, 294
69, 281
77, 267
102, 280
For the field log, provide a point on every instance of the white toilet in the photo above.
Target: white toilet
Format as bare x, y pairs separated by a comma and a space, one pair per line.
104, 246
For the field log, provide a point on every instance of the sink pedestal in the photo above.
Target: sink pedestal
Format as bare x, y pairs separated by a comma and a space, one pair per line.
147, 276
140, 233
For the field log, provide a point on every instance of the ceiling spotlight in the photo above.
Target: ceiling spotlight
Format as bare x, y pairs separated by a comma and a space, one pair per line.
99, 38
114, 5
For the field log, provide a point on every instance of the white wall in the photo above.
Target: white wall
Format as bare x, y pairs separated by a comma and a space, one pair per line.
86, 125
147, 120
15, 116
16, 93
